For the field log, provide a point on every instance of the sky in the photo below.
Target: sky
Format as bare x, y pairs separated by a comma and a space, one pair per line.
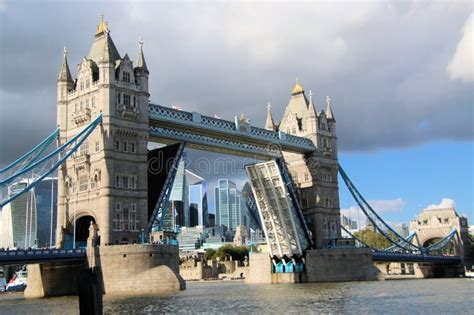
400, 75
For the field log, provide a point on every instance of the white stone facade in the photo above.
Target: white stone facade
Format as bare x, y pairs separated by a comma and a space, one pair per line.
107, 178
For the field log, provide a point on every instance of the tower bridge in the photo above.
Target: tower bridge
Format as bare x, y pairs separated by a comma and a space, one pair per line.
108, 195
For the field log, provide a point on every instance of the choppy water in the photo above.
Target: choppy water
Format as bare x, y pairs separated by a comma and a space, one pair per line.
431, 296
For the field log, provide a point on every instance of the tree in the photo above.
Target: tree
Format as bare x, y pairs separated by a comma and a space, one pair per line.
209, 254
229, 251
373, 239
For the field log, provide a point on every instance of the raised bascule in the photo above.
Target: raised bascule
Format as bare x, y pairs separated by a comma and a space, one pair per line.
113, 191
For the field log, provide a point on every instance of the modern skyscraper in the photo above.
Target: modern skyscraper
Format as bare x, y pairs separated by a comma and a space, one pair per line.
27, 221
228, 201
196, 195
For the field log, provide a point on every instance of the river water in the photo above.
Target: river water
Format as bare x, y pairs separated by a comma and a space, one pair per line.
430, 296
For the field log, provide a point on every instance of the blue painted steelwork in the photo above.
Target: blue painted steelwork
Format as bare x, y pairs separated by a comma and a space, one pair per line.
409, 239
376, 220
294, 198
28, 158
442, 243
198, 130
55, 158
163, 199
35, 256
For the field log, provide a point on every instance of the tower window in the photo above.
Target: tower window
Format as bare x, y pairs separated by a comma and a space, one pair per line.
88, 82
134, 100
87, 103
119, 98
132, 147
126, 77
117, 145
97, 146
126, 100
93, 101
125, 146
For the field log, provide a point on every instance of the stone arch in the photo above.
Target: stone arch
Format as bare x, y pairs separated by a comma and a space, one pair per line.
82, 221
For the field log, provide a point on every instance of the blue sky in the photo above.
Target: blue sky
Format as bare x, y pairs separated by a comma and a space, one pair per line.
413, 177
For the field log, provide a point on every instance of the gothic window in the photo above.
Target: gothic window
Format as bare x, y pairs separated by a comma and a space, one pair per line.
323, 126
117, 145
83, 183
84, 148
126, 99
126, 219
132, 147
446, 220
73, 186
134, 100
125, 181
306, 176
81, 85
118, 220
126, 76
88, 82
80, 107
125, 146
119, 98
133, 182
92, 183
93, 101
87, 103
118, 181
97, 146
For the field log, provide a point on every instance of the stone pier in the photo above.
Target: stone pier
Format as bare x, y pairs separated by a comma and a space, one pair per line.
125, 270
322, 265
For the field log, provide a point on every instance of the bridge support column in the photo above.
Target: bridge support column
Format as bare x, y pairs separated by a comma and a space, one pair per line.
53, 279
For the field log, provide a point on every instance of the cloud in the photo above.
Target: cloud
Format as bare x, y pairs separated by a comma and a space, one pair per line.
381, 206
445, 203
382, 63
461, 65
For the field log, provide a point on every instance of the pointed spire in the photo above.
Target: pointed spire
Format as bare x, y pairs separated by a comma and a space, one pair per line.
141, 64
312, 110
269, 124
328, 110
65, 74
102, 27
298, 88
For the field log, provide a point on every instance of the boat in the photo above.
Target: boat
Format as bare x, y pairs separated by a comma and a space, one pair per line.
469, 274
3, 282
17, 282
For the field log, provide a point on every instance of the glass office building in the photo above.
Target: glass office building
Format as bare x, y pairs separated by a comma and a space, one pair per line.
30, 220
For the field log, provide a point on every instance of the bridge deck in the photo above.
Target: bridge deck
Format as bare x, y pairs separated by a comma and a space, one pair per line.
403, 257
35, 256
169, 125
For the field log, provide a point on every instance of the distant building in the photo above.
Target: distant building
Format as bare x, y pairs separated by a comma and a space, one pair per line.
349, 224
27, 221
196, 200
228, 204
175, 213
211, 219
241, 237
401, 229
248, 202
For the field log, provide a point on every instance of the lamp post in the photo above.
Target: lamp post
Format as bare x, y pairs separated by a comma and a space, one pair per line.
142, 235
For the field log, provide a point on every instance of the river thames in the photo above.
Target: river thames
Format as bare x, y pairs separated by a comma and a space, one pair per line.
430, 296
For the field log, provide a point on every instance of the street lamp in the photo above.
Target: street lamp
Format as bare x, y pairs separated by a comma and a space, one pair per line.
143, 236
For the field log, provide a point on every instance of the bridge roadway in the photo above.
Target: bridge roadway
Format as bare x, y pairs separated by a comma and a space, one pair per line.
202, 132
35, 256
404, 257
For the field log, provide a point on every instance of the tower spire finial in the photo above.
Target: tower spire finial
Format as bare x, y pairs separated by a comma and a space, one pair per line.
269, 123
328, 111
103, 26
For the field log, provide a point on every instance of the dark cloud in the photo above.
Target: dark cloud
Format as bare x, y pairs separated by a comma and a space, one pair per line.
383, 64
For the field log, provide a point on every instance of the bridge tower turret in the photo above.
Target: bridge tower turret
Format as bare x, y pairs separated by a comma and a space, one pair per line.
106, 180
315, 175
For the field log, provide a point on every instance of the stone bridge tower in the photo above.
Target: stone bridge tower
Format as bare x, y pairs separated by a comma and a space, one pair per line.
106, 180
316, 175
